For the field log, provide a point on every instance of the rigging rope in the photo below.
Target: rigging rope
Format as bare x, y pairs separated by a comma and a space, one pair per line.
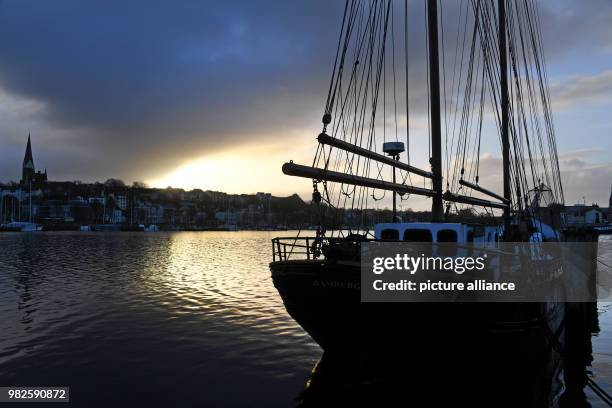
356, 108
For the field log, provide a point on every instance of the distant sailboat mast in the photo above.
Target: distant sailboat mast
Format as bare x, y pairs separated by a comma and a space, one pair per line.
30, 211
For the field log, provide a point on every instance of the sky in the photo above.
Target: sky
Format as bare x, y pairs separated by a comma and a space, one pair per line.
219, 94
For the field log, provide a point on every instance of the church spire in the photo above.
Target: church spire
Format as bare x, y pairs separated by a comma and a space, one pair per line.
28, 160
27, 171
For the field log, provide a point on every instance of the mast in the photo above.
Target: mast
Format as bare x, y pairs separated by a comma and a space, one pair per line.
503, 70
394, 199
437, 210
30, 211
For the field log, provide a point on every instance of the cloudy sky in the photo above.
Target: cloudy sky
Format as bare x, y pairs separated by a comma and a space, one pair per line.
218, 94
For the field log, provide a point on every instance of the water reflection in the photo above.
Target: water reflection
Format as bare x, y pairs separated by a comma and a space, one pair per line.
152, 319
545, 371
477, 376
125, 315
582, 324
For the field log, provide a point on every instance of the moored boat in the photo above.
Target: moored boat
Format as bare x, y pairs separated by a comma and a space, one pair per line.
319, 278
21, 227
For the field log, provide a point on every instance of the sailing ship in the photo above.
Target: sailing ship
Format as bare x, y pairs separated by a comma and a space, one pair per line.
494, 92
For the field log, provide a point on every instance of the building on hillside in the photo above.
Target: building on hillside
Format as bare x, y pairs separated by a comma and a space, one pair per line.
226, 217
122, 202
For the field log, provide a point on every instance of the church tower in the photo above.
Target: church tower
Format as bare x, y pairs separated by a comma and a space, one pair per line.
28, 171
29, 176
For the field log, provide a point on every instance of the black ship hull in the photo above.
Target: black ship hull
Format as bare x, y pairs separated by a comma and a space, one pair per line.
514, 354
325, 299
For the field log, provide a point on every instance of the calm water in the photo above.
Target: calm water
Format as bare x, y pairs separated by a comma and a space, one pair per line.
150, 318
190, 319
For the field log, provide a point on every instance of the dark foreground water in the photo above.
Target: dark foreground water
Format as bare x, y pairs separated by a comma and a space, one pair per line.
162, 319
190, 319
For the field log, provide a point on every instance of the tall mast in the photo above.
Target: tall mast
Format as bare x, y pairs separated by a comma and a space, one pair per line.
30, 211
434, 94
503, 70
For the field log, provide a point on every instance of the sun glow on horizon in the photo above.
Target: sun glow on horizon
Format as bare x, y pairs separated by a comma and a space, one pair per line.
247, 170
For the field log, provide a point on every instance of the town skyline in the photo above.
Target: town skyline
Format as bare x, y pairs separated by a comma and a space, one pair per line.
113, 205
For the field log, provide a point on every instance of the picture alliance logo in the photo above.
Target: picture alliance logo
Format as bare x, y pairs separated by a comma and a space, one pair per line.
410, 264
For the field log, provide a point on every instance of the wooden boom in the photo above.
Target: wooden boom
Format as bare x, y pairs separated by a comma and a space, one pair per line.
484, 191
298, 170
448, 196
292, 169
349, 147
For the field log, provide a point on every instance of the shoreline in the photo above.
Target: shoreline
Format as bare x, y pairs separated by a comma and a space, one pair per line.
161, 230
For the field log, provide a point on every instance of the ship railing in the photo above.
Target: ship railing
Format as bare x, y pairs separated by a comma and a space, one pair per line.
284, 248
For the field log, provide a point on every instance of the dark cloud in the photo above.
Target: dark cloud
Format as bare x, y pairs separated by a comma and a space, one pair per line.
120, 65
569, 26
137, 80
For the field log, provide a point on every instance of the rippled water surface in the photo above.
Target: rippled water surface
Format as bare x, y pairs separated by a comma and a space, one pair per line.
162, 319
150, 318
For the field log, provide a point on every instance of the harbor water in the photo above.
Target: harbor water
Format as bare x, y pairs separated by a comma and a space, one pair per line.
163, 319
